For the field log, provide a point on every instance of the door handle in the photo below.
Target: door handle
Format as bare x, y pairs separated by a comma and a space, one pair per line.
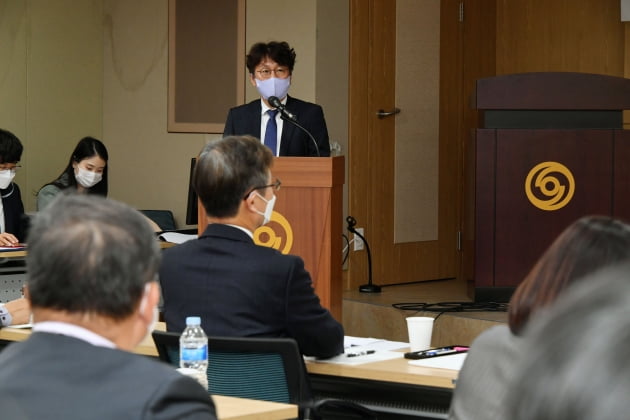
382, 113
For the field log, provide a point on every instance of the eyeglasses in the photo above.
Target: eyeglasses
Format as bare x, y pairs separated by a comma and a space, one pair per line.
275, 186
9, 167
280, 73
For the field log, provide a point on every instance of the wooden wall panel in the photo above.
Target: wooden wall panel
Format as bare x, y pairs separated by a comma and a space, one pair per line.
560, 35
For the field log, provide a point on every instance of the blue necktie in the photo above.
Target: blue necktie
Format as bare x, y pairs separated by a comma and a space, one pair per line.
271, 132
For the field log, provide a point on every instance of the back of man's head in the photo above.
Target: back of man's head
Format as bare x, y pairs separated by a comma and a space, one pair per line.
88, 254
227, 169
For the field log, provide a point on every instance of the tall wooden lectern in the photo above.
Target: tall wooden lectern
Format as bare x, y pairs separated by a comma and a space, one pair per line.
307, 221
550, 149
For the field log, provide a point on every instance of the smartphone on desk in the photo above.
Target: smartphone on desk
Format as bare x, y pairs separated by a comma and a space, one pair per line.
435, 352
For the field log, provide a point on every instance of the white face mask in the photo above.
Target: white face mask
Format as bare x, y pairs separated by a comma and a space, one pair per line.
273, 87
268, 208
87, 179
6, 177
156, 312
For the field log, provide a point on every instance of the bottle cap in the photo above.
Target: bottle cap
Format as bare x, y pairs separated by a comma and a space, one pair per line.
193, 320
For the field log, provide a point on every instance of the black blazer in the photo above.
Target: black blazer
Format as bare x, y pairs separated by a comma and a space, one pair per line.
15, 221
245, 119
240, 289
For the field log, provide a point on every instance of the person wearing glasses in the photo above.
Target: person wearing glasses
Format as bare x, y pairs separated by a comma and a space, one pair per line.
13, 222
86, 173
92, 284
270, 67
238, 288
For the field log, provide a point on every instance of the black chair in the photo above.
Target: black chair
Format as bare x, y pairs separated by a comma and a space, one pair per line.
163, 218
270, 369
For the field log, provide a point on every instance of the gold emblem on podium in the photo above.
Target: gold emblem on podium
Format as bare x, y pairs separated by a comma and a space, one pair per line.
549, 186
276, 234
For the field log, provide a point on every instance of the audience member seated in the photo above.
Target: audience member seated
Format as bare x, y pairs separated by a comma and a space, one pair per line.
86, 173
92, 266
13, 222
574, 358
585, 246
237, 287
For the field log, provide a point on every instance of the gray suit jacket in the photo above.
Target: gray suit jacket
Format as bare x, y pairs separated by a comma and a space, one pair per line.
486, 375
51, 376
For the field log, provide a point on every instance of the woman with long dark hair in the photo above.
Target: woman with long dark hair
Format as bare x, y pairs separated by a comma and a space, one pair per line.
86, 173
587, 245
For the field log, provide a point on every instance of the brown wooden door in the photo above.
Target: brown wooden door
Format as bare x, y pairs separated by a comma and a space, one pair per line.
376, 184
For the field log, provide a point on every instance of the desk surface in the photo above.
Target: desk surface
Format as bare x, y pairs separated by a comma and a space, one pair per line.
232, 408
395, 370
22, 252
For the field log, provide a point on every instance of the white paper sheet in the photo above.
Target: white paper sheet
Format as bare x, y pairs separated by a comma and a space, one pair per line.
452, 361
343, 359
176, 237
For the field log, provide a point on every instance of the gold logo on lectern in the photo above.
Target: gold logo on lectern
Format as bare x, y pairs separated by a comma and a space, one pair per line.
276, 234
549, 186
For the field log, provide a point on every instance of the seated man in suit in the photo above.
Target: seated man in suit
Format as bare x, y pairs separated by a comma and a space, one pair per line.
92, 287
239, 288
270, 69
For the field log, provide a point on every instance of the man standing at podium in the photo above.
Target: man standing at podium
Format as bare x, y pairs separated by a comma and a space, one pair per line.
238, 288
270, 70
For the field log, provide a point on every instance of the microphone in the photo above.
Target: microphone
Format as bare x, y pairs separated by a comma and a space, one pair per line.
287, 115
369, 287
275, 102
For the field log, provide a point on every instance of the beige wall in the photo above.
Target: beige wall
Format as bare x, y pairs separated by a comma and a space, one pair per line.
51, 82
99, 67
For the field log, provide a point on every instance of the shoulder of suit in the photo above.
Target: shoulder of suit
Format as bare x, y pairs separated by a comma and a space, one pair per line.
248, 106
298, 103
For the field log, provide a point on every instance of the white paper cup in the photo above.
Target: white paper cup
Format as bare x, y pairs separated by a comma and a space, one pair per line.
420, 329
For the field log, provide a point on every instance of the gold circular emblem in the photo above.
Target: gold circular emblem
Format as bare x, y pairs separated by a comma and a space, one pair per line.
549, 186
276, 234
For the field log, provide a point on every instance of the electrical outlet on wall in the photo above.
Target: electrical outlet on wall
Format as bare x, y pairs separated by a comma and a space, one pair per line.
358, 242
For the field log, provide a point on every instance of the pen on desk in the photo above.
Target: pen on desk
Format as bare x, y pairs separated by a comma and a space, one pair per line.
360, 353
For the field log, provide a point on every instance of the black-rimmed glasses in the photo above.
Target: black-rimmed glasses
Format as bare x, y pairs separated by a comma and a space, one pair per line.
276, 187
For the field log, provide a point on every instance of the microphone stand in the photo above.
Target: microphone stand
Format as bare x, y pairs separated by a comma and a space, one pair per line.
295, 123
286, 115
369, 287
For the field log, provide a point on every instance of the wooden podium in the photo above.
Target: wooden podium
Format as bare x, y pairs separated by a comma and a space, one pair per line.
307, 221
550, 149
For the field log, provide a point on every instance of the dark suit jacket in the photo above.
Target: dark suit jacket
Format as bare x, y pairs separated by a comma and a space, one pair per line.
245, 119
52, 376
241, 289
15, 221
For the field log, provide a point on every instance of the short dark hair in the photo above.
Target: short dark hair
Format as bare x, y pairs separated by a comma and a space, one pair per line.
86, 148
10, 147
89, 254
585, 246
280, 52
227, 169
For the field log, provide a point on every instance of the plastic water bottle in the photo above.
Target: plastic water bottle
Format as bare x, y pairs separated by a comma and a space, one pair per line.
193, 349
